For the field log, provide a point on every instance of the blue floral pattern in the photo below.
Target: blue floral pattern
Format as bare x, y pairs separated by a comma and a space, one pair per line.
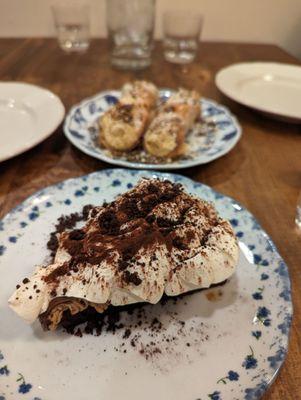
264, 276
23, 386
263, 316
4, 370
232, 376
257, 334
250, 361
215, 396
277, 358
267, 293
258, 295
256, 392
82, 118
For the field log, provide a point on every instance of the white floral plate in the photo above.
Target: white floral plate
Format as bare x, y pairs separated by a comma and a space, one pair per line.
224, 343
82, 119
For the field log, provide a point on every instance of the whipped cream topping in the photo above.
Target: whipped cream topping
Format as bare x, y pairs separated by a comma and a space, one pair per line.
152, 240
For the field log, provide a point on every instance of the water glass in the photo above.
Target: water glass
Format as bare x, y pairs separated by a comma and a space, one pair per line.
130, 25
298, 212
181, 30
71, 20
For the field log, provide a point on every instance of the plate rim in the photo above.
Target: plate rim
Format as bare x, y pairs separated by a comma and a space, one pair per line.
219, 77
130, 164
45, 135
265, 383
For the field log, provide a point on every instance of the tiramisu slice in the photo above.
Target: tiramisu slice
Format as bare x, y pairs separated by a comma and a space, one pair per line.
154, 239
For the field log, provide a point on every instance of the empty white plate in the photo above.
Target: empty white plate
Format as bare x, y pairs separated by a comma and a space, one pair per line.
271, 88
28, 115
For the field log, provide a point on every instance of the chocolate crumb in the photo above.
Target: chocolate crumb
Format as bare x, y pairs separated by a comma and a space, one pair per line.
178, 243
53, 243
131, 277
86, 211
108, 223
78, 333
150, 218
127, 334
77, 234
64, 223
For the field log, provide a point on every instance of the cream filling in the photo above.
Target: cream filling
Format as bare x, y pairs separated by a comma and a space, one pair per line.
160, 143
162, 137
118, 135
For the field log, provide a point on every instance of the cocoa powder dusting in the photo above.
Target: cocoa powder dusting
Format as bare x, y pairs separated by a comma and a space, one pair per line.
64, 223
140, 326
126, 227
109, 235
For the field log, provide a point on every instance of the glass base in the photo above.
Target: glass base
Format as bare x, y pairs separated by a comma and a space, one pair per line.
298, 216
131, 57
74, 47
182, 57
130, 64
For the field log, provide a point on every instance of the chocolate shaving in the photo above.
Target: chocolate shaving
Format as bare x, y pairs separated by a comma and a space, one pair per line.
108, 223
77, 234
129, 277
66, 222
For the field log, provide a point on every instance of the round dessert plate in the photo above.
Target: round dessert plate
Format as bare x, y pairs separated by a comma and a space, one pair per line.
28, 115
221, 135
272, 88
227, 342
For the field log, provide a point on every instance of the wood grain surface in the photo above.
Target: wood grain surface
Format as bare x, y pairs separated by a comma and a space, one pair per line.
263, 171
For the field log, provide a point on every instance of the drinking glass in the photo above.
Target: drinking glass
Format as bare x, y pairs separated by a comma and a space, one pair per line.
71, 20
181, 30
130, 25
298, 212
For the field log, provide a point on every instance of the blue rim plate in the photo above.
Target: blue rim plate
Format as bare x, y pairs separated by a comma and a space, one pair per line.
205, 149
237, 333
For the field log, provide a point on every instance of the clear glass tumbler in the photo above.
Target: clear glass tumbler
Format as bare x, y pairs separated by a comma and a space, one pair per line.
71, 20
130, 25
298, 212
181, 30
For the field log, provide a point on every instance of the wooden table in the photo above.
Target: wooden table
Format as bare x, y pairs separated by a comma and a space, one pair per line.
263, 171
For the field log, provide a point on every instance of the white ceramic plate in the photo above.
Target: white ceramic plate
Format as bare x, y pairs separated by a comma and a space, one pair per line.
237, 333
272, 88
28, 115
214, 143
